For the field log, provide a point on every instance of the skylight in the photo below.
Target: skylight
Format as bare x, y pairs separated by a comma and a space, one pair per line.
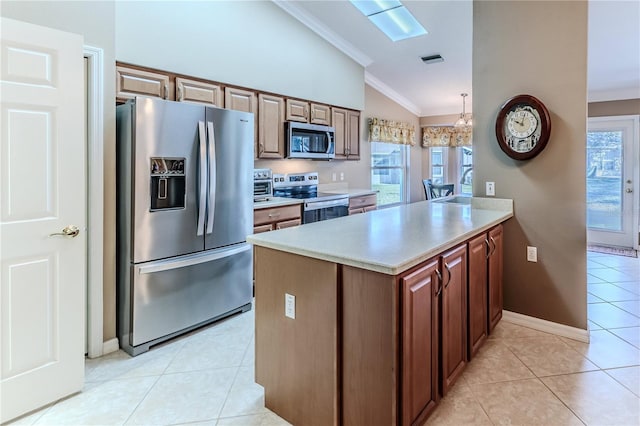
391, 17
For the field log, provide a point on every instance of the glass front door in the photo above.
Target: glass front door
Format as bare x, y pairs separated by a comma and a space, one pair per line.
612, 171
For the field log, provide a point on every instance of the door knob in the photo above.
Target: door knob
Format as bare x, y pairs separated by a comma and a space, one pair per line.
68, 231
629, 190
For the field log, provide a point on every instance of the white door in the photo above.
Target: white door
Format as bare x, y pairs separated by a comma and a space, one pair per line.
613, 159
42, 191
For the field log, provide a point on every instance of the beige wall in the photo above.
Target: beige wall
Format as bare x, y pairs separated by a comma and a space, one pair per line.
248, 43
537, 48
94, 20
611, 108
357, 174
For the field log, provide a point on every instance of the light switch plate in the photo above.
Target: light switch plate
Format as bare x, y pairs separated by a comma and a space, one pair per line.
289, 306
532, 254
491, 189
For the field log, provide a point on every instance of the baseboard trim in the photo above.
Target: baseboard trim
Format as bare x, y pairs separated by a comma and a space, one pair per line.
546, 326
110, 346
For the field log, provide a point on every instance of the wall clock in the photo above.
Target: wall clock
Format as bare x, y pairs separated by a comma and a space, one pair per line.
523, 126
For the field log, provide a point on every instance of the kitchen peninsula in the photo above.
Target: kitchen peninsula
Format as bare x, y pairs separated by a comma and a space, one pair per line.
371, 318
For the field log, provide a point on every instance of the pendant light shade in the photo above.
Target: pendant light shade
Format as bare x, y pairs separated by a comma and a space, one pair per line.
464, 122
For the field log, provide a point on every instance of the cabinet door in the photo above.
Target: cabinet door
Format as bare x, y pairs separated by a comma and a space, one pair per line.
495, 276
477, 293
243, 100
320, 114
297, 110
270, 126
131, 82
198, 92
352, 140
419, 342
454, 315
339, 120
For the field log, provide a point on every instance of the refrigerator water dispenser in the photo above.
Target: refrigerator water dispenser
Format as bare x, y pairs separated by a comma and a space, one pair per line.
167, 183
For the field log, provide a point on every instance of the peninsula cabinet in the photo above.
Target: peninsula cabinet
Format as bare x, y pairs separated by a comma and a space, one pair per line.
454, 315
495, 276
270, 126
200, 92
419, 342
478, 305
132, 82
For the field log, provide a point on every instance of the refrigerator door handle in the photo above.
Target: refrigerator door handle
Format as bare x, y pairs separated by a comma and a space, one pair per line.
212, 175
203, 177
196, 259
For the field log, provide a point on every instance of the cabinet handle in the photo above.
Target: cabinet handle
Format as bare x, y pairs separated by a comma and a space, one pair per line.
448, 273
260, 149
488, 248
274, 214
440, 281
494, 246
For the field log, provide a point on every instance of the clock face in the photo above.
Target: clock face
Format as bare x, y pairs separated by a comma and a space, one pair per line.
523, 127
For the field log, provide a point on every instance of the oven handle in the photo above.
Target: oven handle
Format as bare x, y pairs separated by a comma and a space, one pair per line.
316, 205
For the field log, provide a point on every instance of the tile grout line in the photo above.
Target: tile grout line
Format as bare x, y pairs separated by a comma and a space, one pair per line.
141, 400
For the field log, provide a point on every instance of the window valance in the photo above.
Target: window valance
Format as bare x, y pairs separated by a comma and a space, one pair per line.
391, 132
446, 136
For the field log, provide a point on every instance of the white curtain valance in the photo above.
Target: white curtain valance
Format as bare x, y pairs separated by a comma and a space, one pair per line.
446, 136
391, 132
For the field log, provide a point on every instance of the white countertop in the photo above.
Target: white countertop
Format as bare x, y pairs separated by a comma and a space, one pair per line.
390, 240
354, 192
276, 202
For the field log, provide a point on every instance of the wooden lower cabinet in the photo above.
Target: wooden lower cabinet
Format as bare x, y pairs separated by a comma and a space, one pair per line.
454, 316
477, 293
419, 343
363, 203
495, 276
271, 218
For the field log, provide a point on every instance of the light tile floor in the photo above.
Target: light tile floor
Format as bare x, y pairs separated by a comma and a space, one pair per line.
520, 376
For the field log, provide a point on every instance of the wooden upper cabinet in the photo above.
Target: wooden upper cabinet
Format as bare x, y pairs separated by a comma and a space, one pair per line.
339, 120
199, 92
297, 110
495, 276
270, 126
243, 100
454, 316
419, 343
320, 114
352, 139
131, 82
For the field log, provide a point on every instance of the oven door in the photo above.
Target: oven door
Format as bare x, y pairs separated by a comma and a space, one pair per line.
315, 211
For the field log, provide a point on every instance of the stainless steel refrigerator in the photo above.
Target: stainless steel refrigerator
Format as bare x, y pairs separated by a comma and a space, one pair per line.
185, 207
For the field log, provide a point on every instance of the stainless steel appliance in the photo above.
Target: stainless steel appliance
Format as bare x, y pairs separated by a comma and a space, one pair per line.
317, 205
262, 185
184, 210
311, 141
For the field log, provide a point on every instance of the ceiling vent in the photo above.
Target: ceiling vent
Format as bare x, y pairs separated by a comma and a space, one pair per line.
432, 59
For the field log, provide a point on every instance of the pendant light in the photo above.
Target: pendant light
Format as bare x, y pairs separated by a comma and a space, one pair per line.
463, 123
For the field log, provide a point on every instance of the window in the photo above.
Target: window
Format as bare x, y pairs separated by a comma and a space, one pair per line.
461, 175
389, 171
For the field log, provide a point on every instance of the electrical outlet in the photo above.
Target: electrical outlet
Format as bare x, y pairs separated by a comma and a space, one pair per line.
289, 306
532, 254
341, 176
333, 177
491, 189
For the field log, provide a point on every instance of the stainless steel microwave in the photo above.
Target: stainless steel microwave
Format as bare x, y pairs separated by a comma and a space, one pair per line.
311, 141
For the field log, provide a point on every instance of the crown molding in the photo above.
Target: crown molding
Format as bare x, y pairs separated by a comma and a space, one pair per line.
613, 94
323, 31
390, 93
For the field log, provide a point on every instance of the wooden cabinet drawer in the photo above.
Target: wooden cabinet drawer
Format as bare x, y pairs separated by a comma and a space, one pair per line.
288, 223
370, 208
363, 201
355, 211
276, 214
262, 228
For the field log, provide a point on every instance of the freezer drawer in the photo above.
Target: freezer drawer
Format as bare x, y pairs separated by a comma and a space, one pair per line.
174, 295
